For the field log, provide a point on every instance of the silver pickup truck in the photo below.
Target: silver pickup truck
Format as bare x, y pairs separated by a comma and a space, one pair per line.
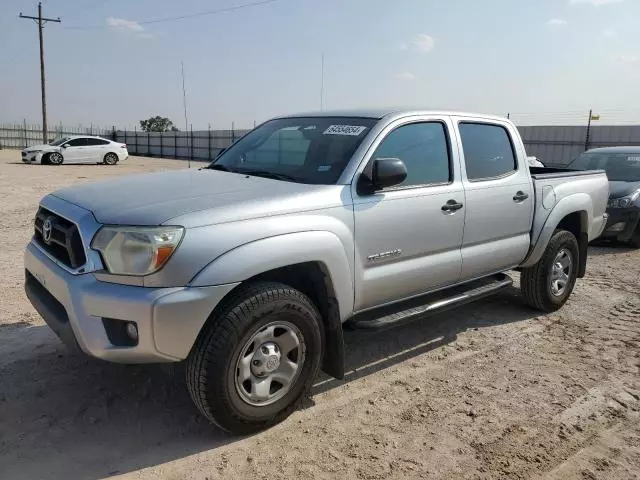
250, 268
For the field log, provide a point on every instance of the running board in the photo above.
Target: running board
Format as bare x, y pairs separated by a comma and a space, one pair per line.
426, 306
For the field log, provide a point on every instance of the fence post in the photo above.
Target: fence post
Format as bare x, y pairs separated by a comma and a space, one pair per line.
233, 132
149, 144
191, 143
24, 122
114, 136
175, 144
135, 135
209, 142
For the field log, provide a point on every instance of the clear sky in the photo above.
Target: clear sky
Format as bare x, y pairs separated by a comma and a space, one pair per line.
545, 61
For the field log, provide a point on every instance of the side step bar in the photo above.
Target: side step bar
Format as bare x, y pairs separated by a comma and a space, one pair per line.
426, 306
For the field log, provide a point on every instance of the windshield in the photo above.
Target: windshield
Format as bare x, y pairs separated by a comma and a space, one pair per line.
311, 150
620, 167
59, 141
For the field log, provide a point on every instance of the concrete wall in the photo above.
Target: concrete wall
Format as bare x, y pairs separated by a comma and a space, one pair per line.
559, 145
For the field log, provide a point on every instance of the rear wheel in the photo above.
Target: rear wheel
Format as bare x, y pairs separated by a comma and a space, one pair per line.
110, 159
547, 285
55, 158
254, 361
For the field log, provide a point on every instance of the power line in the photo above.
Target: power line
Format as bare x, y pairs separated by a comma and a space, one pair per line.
41, 22
181, 17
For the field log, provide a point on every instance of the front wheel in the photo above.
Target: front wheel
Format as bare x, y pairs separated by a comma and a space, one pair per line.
110, 159
547, 285
55, 158
634, 242
254, 361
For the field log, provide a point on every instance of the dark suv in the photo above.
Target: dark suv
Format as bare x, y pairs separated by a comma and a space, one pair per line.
622, 165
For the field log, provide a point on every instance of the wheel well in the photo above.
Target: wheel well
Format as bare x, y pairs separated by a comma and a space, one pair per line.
576, 223
312, 279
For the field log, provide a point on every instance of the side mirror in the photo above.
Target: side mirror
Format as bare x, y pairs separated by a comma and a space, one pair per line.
382, 173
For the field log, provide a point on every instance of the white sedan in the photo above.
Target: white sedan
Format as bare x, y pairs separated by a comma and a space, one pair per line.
77, 149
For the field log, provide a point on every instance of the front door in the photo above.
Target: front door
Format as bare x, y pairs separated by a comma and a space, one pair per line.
75, 150
406, 244
499, 197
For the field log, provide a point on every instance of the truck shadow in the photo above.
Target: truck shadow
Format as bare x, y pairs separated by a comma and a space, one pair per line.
67, 416
603, 247
368, 353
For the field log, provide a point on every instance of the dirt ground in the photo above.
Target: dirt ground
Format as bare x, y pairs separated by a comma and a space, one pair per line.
491, 390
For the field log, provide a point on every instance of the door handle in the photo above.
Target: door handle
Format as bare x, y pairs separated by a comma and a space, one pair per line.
451, 206
520, 197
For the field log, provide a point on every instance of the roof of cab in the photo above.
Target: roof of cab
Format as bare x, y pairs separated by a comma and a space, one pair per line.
380, 113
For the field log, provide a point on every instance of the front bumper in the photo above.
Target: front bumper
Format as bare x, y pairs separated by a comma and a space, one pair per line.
168, 319
630, 217
31, 157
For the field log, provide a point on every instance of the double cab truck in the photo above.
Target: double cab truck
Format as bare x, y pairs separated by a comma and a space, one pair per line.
250, 268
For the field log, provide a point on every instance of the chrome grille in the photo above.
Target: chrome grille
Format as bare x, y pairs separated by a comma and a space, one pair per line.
60, 238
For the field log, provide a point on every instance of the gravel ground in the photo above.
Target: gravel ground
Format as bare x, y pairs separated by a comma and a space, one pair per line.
491, 390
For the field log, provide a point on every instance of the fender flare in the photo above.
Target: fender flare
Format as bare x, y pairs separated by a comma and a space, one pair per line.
577, 203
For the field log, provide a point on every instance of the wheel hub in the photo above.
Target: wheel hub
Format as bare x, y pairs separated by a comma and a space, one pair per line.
269, 363
266, 359
561, 271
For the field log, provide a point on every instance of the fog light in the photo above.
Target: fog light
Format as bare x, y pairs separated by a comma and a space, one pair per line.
617, 227
132, 331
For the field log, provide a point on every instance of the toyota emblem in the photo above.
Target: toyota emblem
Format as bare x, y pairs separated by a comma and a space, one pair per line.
47, 229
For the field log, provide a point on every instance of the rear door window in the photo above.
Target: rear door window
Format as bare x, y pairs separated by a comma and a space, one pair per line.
96, 141
488, 151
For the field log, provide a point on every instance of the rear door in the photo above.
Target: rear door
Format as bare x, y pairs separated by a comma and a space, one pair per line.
75, 150
96, 149
406, 244
499, 197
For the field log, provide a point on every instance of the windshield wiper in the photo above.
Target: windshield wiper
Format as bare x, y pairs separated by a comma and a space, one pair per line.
222, 168
265, 174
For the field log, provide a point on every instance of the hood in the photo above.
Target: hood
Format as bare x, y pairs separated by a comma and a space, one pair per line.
39, 147
195, 197
619, 189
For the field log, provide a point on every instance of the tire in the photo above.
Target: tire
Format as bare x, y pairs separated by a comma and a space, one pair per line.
247, 327
542, 285
634, 242
55, 158
44, 160
110, 159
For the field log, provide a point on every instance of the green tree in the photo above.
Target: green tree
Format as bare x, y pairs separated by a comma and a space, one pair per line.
158, 124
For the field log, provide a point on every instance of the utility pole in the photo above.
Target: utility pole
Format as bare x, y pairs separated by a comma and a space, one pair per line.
587, 139
41, 22
322, 84
184, 104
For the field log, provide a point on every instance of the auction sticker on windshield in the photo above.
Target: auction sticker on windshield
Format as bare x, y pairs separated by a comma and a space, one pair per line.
353, 130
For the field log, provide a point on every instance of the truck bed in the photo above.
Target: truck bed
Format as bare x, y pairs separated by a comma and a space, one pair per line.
552, 185
554, 172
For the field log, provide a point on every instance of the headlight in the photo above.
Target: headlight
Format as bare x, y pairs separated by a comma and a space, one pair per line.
624, 202
136, 250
